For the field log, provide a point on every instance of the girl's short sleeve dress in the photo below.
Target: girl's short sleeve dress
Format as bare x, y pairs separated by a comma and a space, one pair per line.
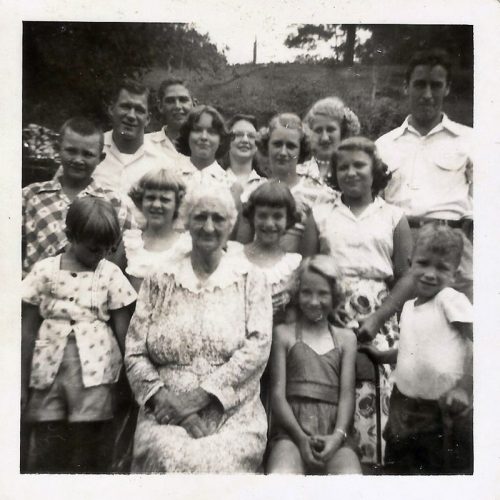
216, 335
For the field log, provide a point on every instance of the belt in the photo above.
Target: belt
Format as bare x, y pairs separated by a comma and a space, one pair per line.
417, 222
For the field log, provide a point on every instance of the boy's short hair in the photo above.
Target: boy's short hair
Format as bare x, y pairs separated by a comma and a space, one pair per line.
168, 82
274, 194
325, 266
441, 240
429, 57
159, 178
380, 170
82, 126
94, 220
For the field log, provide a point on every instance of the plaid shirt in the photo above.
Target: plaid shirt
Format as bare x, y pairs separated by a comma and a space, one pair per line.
45, 206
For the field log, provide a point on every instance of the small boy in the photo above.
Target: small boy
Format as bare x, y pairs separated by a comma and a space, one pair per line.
45, 204
429, 429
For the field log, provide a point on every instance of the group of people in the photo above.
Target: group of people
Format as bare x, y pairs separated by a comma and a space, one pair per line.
287, 299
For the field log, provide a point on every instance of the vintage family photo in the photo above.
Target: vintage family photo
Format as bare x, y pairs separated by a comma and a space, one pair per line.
247, 256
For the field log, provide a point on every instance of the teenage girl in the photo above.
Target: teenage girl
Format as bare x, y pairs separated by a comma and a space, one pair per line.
73, 330
370, 241
312, 380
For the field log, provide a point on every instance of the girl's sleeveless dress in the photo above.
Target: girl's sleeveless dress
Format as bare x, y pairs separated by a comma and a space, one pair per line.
312, 387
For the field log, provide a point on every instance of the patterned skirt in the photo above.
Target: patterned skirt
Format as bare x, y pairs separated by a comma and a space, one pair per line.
362, 298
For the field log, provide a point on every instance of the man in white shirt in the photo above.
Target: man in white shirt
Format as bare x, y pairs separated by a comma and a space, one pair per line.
174, 104
430, 157
128, 155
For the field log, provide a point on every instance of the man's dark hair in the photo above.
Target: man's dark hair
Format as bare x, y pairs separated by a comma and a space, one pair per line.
168, 83
429, 57
131, 86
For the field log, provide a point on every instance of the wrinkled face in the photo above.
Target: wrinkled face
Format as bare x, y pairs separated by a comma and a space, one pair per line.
426, 90
284, 149
130, 114
209, 225
243, 140
315, 297
79, 155
269, 224
325, 137
354, 173
431, 272
158, 207
175, 105
89, 254
204, 140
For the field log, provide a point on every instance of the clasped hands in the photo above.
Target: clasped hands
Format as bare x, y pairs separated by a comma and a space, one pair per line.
170, 409
317, 450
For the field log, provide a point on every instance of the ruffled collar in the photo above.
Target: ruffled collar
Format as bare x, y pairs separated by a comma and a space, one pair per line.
228, 272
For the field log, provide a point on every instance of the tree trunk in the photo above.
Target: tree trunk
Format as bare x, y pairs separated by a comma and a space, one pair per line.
349, 44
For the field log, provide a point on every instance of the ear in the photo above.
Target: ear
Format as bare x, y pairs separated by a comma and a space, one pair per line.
405, 88
447, 89
148, 119
110, 110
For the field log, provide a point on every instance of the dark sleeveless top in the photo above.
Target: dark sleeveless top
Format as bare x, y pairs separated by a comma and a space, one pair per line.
312, 375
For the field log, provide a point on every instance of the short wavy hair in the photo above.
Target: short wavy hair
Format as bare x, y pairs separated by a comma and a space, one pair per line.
286, 120
84, 127
274, 194
210, 190
217, 123
158, 178
94, 220
169, 82
380, 170
441, 240
334, 109
429, 57
325, 266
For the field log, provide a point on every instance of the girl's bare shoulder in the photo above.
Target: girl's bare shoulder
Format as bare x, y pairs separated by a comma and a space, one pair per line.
284, 334
346, 337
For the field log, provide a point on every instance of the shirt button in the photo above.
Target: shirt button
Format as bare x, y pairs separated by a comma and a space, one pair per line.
71, 299
74, 275
72, 322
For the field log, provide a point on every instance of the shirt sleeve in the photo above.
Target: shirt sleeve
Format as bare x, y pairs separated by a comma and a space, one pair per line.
234, 381
456, 306
141, 372
36, 283
120, 291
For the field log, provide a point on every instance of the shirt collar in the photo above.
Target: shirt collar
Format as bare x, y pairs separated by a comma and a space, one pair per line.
111, 147
444, 124
54, 185
378, 202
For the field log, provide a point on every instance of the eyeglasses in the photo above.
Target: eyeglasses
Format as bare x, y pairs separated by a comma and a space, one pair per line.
251, 136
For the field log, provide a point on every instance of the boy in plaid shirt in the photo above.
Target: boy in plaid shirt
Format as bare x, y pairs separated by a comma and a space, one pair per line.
45, 204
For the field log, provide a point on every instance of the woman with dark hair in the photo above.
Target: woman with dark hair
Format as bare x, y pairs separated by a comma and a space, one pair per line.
370, 241
204, 139
327, 123
285, 144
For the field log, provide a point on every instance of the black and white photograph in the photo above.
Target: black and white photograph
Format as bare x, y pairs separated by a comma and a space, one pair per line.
253, 244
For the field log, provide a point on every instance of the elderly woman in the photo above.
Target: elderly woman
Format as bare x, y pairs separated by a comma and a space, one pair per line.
327, 123
157, 195
285, 145
196, 347
204, 139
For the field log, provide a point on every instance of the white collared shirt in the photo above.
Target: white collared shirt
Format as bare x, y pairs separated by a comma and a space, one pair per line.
431, 174
162, 141
120, 171
192, 175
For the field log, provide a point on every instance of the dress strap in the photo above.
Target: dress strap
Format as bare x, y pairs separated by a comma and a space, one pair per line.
334, 336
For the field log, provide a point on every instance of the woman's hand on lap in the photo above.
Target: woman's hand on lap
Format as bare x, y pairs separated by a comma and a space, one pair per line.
195, 426
325, 447
309, 456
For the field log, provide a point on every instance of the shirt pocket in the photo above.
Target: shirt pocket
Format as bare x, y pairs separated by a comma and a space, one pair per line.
450, 160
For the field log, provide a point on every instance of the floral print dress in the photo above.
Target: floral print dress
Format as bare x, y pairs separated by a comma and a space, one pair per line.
213, 334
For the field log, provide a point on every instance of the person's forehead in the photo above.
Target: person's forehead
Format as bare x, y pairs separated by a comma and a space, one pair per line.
349, 154
428, 72
285, 133
159, 192
176, 90
324, 120
131, 97
242, 125
210, 204
72, 137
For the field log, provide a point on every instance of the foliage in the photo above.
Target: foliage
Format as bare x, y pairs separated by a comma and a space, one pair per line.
80, 63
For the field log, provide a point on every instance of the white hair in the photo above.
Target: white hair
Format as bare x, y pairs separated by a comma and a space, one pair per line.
207, 190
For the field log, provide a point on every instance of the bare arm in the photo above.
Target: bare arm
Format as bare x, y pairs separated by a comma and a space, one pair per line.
309, 244
120, 319
30, 323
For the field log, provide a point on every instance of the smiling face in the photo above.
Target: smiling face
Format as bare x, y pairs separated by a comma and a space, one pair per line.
204, 140
243, 141
130, 115
432, 272
79, 156
325, 137
315, 297
354, 174
269, 224
209, 225
426, 89
175, 105
284, 149
158, 207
